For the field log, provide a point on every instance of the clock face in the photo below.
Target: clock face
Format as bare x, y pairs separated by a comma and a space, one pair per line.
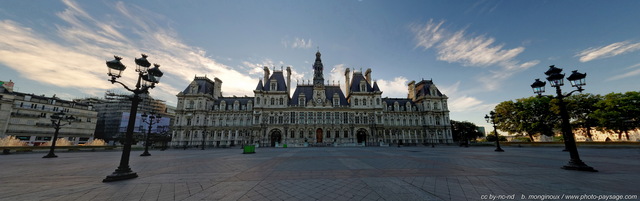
319, 100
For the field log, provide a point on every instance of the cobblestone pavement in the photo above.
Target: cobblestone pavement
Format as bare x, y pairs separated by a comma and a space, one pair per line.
367, 173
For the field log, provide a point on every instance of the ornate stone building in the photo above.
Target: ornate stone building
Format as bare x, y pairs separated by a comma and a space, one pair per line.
316, 113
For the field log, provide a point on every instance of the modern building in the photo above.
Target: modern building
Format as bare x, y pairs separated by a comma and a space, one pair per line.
315, 114
113, 114
27, 117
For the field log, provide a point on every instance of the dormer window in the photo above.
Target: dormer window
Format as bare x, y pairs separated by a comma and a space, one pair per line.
194, 88
273, 85
336, 101
363, 86
301, 101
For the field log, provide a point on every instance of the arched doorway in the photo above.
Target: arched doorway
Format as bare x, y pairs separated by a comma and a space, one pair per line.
319, 135
361, 135
276, 136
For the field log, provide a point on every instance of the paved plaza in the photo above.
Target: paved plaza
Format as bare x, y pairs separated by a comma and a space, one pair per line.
324, 173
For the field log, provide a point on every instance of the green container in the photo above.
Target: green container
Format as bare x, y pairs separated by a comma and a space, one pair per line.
284, 146
249, 149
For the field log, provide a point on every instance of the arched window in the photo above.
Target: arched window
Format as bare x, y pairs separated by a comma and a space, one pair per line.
357, 101
281, 101
258, 100
272, 101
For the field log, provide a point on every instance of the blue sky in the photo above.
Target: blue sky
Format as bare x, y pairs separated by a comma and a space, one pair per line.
479, 53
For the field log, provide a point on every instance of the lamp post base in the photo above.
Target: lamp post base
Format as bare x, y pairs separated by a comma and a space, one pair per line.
145, 154
578, 165
499, 149
50, 155
117, 176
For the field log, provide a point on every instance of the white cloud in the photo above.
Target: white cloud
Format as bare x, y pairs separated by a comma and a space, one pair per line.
611, 50
478, 51
396, 88
298, 43
462, 102
76, 57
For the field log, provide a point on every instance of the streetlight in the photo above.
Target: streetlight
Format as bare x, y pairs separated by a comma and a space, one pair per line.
493, 119
147, 79
149, 119
556, 80
56, 122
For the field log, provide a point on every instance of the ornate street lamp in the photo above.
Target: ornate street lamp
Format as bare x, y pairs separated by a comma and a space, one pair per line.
492, 118
56, 122
150, 120
556, 80
151, 78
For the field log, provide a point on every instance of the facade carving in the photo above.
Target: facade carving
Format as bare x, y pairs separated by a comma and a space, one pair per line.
315, 114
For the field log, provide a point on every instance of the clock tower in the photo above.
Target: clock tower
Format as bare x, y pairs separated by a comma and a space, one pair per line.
318, 80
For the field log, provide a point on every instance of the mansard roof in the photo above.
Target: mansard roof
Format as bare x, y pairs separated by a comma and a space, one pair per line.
330, 90
401, 102
307, 90
278, 76
355, 83
260, 86
423, 88
204, 85
230, 100
375, 87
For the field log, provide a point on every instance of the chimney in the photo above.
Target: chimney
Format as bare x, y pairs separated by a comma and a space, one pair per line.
367, 75
266, 76
217, 93
346, 75
288, 81
412, 90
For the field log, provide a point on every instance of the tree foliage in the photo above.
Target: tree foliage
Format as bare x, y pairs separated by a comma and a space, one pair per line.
530, 116
618, 112
464, 131
614, 112
580, 108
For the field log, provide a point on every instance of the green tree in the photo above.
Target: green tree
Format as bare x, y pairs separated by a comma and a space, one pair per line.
464, 131
491, 137
618, 112
530, 116
581, 108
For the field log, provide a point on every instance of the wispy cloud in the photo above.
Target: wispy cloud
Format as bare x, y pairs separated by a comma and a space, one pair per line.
297, 43
468, 50
462, 102
626, 74
607, 51
75, 55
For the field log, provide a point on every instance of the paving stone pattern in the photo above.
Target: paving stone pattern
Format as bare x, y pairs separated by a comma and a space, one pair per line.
322, 173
